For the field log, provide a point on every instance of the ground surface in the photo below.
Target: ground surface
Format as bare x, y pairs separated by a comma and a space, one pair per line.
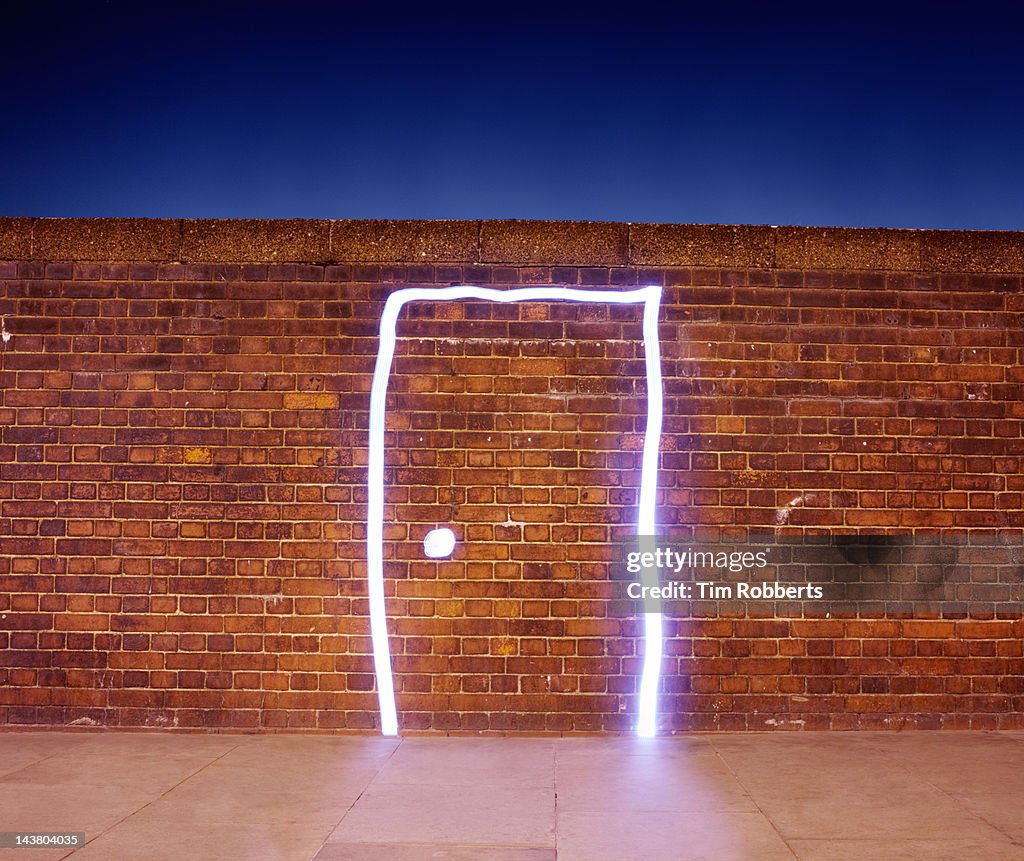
752, 797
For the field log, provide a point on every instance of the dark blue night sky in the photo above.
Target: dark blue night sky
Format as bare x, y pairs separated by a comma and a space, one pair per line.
903, 115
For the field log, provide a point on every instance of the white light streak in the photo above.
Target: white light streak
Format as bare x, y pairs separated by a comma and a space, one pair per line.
650, 297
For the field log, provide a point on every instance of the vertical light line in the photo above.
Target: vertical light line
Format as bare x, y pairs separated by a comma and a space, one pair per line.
653, 637
375, 516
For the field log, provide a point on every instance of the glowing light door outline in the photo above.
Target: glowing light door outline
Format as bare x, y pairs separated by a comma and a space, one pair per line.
651, 299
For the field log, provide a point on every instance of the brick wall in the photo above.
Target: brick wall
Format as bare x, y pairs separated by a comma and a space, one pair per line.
184, 411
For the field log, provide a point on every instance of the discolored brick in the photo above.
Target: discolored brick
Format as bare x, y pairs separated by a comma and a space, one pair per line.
310, 401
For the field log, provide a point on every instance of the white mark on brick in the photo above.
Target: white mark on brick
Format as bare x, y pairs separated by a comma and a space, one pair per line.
83, 721
773, 722
3, 331
782, 514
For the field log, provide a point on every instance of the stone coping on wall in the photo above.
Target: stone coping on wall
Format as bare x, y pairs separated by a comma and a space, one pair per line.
518, 243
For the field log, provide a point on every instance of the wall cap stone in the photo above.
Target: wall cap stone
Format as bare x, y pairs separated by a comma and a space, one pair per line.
704, 245
149, 239
554, 243
511, 243
233, 240
382, 241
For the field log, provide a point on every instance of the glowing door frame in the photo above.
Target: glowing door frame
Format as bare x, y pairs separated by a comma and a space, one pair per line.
651, 299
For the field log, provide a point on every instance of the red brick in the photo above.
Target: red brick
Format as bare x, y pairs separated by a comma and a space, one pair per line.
890, 403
